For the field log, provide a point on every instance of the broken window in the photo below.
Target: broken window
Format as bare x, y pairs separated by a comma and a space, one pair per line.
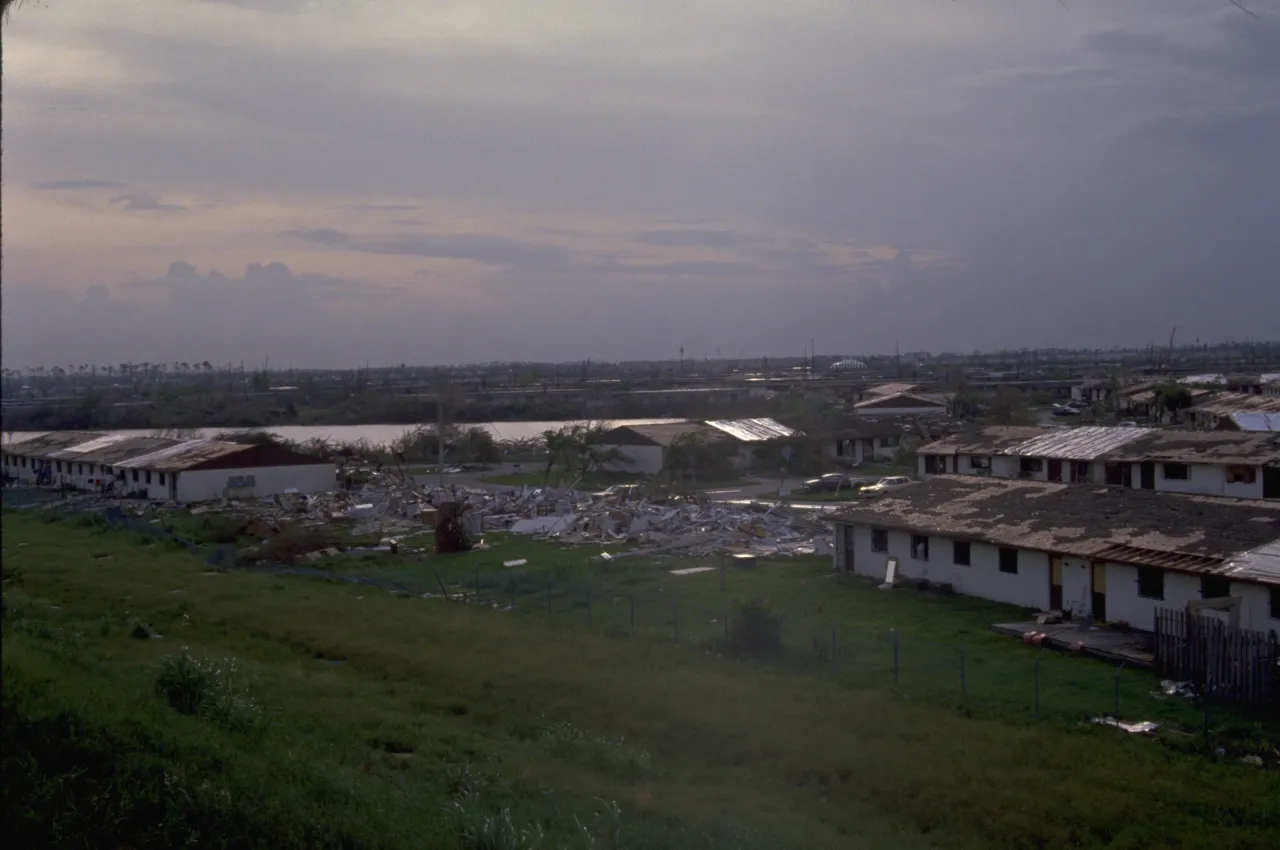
888, 442
1150, 583
879, 540
979, 462
1079, 471
162, 479
1242, 474
1177, 471
1009, 560
1212, 587
1032, 464
135, 476
148, 476
960, 552
931, 464
920, 547
1274, 613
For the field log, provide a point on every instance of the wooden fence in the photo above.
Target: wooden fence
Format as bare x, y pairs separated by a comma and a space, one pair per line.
1232, 664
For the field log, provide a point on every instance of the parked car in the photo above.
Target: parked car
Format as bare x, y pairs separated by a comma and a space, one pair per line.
830, 481
887, 485
625, 490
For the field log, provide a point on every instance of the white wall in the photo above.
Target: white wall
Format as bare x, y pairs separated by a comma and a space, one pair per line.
1004, 466
982, 578
1124, 603
208, 484
900, 411
646, 460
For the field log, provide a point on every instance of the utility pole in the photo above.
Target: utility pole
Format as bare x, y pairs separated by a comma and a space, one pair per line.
440, 439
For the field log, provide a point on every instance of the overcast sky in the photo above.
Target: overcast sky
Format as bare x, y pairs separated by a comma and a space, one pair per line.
325, 182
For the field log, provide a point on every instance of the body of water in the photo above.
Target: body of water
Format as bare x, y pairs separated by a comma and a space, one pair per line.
503, 431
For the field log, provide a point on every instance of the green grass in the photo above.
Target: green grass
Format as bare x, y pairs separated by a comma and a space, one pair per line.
383, 721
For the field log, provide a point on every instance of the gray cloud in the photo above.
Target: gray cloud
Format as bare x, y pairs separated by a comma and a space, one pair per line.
71, 185
145, 202
487, 250
685, 175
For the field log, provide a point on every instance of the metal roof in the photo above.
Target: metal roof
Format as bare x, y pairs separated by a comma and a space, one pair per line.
753, 430
94, 444
994, 439
183, 455
1085, 443
44, 444
1227, 448
1254, 421
903, 400
1261, 564
1224, 404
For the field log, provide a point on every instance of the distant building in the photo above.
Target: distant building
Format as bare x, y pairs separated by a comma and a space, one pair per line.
164, 469
1100, 552
645, 447
903, 404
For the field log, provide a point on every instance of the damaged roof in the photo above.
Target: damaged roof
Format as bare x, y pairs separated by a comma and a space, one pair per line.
753, 430
1189, 533
1084, 443
993, 440
1256, 421
1236, 448
1224, 404
43, 445
1261, 564
891, 389
182, 455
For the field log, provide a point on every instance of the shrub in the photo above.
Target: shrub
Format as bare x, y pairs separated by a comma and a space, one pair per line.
481, 828
756, 630
207, 688
607, 755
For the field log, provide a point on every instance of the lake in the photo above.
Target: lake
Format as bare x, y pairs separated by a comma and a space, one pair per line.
377, 434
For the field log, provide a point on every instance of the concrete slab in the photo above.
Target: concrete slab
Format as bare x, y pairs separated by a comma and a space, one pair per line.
1116, 645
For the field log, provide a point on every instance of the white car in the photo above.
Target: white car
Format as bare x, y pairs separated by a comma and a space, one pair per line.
885, 485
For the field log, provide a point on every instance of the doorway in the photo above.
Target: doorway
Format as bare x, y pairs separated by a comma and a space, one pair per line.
1270, 482
1098, 585
1055, 470
1055, 583
1148, 475
848, 548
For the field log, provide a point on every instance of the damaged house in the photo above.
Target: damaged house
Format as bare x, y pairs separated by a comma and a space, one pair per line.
164, 469
646, 448
1101, 552
1234, 464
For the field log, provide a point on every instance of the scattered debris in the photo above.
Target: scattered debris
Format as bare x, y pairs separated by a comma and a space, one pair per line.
1145, 727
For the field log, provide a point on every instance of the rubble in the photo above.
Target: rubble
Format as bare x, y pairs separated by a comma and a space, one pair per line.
392, 508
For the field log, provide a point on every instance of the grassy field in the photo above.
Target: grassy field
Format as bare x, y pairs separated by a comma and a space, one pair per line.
354, 717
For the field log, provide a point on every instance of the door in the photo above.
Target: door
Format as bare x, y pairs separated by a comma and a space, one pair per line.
1055, 583
1270, 482
848, 549
1148, 475
1055, 470
1098, 585
868, 450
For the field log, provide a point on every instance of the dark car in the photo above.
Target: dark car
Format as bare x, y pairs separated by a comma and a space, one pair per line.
831, 481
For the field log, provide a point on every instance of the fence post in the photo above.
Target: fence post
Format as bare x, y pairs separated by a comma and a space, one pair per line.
1205, 699
443, 592
964, 685
675, 615
1037, 710
1119, 670
893, 635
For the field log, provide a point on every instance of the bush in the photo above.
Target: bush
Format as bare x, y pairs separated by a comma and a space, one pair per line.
756, 630
206, 688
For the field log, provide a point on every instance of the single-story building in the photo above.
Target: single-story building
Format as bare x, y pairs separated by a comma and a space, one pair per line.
872, 439
644, 447
1250, 422
1234, 464
1211, 408
882, 390
904, 404
164, 469
1087, 551
1093, 391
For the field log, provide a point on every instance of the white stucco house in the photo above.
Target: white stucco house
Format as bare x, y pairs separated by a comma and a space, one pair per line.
164, 469
1089, 551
